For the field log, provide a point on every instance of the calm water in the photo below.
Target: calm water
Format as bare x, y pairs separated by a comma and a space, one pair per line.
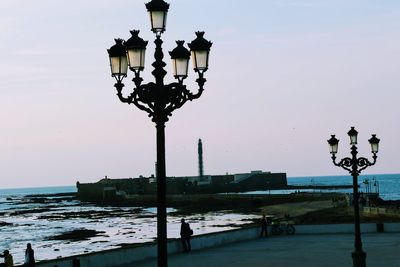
37, 191
35, 222
388, 185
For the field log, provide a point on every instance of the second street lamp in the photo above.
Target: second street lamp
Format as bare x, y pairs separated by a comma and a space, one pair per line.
156, 98
354, 166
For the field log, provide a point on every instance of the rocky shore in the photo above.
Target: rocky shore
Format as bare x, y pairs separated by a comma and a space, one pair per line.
61, 225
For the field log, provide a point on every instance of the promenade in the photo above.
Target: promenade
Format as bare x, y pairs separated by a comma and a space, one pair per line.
318, 250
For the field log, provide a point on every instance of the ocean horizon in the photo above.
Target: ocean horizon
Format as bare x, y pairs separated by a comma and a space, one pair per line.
387, 185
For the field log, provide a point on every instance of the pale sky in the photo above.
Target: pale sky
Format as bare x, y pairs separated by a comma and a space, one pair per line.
283, 76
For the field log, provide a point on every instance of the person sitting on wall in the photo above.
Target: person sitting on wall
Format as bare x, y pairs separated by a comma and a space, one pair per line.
186, 232
8, 259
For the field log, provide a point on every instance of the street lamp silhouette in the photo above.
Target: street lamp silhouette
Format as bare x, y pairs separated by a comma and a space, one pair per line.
156, 98
354, 166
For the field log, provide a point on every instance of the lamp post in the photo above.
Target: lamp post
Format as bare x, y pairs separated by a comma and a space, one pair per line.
354, 166
156, 98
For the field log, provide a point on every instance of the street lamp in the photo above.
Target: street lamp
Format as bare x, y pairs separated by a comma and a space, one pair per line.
158, 99
354, 166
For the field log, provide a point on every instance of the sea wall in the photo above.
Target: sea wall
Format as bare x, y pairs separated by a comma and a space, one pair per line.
140, 252
381, 211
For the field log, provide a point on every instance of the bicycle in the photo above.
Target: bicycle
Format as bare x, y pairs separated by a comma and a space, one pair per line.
280, 227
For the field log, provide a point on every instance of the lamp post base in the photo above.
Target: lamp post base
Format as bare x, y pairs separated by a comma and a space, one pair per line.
359, 258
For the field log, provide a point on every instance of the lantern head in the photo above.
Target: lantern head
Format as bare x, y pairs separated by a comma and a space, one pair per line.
200, 49
180, 60
158, 10
118, 60
333, 144
136, 48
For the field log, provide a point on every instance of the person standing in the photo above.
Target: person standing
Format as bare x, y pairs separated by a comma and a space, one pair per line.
8, 259
264, 226
29, 256
186, 232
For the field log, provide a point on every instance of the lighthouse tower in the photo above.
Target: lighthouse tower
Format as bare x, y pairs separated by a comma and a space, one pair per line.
200, 152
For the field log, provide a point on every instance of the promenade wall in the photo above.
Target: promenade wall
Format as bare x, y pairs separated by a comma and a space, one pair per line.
138, 252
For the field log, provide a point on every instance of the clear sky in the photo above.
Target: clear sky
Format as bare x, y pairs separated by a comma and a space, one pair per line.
283, 76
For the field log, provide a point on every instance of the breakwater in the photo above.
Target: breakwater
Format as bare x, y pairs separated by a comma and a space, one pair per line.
214, 201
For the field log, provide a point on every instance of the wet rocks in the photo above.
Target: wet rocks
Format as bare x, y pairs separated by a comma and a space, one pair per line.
5, 224
77, 235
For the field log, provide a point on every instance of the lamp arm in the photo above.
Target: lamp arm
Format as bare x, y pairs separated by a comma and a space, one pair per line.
143, 107
143, 97
345, 163
364, 163
178, 94
140, 95
119, 85
200, 81
176, 97
137, 79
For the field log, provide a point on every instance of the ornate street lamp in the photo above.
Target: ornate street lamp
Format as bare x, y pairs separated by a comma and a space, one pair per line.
354, 166
156, 98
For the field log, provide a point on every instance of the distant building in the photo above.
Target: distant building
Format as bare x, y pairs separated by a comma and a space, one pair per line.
108, 189
111, 189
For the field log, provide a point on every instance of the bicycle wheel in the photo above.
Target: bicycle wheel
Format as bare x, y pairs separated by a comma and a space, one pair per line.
290, 229
275, 230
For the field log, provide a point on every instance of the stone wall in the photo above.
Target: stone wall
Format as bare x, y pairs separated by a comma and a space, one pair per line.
138, 252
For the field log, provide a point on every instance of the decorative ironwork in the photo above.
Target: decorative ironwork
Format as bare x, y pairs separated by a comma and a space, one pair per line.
159, 100
354, 165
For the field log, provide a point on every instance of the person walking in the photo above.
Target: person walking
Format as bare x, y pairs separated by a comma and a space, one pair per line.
8, 259
29, 256
264, 226
186, 232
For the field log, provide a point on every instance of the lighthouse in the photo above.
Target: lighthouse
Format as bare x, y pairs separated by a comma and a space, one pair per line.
200, 153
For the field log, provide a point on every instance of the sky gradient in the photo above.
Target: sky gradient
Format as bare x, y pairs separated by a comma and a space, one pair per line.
283, 76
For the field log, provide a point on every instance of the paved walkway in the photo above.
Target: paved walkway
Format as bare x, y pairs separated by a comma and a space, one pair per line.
298, 251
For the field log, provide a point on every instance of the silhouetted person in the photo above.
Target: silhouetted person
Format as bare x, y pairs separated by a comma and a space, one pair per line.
29, 256
264, 226
186, 232
76, 263
8, 259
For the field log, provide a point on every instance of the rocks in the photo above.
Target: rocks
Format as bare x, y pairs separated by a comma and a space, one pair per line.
76, 235
29, 211
5, 224
90, 214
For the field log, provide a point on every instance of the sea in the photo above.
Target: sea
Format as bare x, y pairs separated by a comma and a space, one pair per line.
386, 185
38, 220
